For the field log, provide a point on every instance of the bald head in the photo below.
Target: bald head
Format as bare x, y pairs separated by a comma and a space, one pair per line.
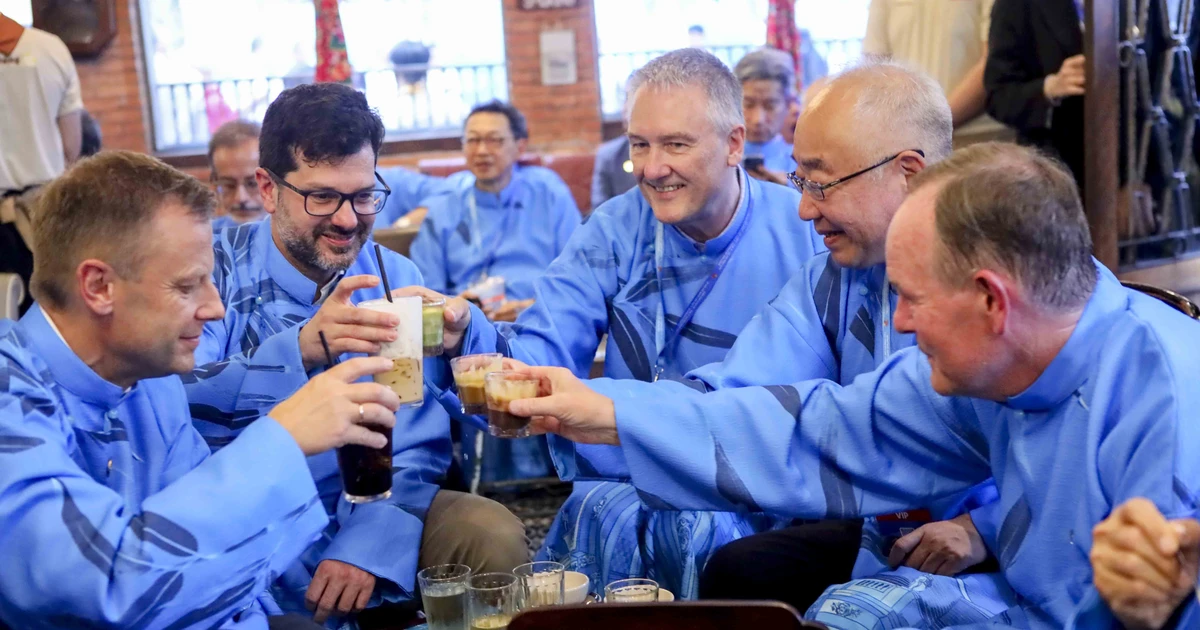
881, 108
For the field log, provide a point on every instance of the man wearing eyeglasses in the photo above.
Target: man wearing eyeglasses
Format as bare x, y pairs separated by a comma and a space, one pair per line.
299, 273
502, 219
232, 161
864, 135
671, 272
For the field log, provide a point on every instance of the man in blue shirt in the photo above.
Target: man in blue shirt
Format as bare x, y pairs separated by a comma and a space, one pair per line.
671, 271
612, 174
768, 90
410, 196
113, 511
502, 219
232, 160
1034, 366
299, 273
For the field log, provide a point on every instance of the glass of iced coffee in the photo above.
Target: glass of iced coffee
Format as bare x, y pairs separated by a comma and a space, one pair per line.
432, 325
469, 372
407, 376
500, 389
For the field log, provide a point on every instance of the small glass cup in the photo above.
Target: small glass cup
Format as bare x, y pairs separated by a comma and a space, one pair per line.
492, 600
542, 583
469, 374
444, 595
500, 389
633, 590
432, 325
407, 376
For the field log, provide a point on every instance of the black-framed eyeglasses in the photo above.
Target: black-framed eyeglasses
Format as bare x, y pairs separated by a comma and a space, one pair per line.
818, 190
324, 202
227, 188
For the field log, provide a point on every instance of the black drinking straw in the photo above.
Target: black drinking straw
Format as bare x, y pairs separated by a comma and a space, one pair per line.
387, 289
325, 344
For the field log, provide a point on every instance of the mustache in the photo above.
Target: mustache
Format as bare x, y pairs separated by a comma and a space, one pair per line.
358, 231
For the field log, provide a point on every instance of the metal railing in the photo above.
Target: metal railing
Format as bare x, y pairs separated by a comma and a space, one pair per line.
413, 101
615, 68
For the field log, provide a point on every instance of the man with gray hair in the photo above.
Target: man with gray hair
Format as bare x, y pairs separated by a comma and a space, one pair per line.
232, 162
768, 91
833, 321
1033, 365
671, 271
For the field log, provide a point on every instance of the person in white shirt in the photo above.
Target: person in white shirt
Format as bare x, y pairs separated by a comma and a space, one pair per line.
40, 131
947, 39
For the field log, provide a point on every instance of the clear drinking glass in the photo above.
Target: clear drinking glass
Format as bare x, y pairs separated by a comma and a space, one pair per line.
432, 326
407, 376
631, 590
542, 583
492, 600
500, 389
444, 595
469, 373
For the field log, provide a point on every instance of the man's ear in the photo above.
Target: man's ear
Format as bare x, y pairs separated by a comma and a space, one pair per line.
95, 280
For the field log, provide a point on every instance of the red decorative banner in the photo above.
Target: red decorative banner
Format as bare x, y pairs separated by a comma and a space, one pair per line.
783, 34
332, 63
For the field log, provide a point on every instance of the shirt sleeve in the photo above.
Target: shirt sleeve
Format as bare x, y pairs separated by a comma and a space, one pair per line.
428, 250
569, 315
231, 388
784, 343
813, 449
195, 553
72, 97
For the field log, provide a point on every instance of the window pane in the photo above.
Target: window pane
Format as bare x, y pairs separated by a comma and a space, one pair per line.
211, 61
731, 28
20, 11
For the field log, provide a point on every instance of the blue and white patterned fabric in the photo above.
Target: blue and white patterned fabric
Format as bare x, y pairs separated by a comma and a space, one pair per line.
250, 361
114, 514
606, 281
1114, 416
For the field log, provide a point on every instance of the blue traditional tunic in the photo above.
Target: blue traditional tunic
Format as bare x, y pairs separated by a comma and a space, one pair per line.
607, 281
1114, 416
410, 190
471, 233
828, 322
250, 360
776, 154
112, 511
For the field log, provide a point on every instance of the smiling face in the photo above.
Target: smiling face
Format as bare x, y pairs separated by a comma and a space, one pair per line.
853, 217
159, 312
952, 324
321, 246
681, 162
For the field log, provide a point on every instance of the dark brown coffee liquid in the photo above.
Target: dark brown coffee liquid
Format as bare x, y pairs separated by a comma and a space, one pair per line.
366, 472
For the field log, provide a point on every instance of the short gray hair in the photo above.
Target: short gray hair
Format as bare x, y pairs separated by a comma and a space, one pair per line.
1013, 209
768, 64
895, 100
688, 67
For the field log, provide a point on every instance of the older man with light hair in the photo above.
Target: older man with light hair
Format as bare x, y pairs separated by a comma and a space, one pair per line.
671, 271
833, 321
1034, 366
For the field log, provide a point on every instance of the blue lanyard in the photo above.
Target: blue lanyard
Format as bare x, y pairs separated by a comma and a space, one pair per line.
661, 341
477, 231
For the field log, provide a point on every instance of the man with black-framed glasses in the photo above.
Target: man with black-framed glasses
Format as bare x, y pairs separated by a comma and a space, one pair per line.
299, 273
232, 162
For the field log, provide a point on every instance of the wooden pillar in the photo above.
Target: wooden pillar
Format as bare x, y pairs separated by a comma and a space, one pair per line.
1101, 126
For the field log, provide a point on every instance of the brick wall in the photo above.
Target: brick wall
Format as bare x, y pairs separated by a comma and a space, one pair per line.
112, 85
561, 117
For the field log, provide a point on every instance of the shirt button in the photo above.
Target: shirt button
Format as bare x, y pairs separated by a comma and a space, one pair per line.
862, 290
110, 466
258, 300
111, 414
